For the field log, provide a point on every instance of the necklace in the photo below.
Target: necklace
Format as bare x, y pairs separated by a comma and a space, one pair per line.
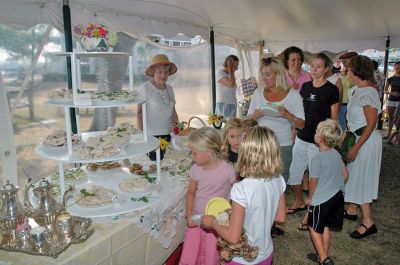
294, 76
164, 94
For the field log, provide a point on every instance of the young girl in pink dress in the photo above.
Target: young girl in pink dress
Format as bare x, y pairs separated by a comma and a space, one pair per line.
210, 177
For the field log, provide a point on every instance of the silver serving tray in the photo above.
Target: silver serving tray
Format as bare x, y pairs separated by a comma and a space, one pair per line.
55, 242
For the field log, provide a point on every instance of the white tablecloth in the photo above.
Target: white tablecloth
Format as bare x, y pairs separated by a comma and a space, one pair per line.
145, 237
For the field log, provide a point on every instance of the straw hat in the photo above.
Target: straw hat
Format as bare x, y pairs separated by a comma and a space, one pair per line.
161, 59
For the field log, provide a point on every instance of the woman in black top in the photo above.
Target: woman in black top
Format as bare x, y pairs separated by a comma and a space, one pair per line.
321, 101
394, 96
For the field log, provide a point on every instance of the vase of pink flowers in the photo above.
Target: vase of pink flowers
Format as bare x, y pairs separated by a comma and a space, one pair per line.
95, 37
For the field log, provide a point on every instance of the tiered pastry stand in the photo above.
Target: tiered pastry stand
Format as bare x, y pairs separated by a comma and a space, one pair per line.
139, 144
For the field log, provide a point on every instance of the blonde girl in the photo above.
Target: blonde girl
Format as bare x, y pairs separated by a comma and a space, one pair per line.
259, 198
231, 140
210, 177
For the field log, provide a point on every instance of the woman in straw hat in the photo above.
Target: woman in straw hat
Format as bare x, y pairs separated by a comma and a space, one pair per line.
160, 99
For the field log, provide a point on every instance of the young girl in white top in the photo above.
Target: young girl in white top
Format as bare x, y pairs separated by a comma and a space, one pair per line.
210, 177
259, 198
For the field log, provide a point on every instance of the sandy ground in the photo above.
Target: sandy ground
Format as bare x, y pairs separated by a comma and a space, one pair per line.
379, 249
291, 248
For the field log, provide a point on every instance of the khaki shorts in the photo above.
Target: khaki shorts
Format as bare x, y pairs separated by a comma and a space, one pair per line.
303, 153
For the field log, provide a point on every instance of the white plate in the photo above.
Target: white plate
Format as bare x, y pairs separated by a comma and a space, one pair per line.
94, 158
270, 112
100, 102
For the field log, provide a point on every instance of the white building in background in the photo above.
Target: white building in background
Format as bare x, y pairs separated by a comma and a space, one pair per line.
180, 40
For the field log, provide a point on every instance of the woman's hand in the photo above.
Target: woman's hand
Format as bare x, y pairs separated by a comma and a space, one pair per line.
190, 222
207, 221
352, 154
257, 114
231, 66
342, 138
286, 114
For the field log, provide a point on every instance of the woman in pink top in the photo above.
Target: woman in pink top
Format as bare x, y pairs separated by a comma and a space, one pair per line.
210, 177
293, 58
295, 75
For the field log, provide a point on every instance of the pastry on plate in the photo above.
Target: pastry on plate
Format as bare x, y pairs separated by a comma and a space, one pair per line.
134, 185
95, 196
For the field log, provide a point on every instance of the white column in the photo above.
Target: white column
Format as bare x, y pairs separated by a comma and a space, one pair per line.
78, 121
74, 78
131, 79
8, 151
144, 120
61, 173
68, 130
158, 157
78, 73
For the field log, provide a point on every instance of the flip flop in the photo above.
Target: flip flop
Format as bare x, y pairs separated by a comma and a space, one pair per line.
296, 210
313, 257
302, 227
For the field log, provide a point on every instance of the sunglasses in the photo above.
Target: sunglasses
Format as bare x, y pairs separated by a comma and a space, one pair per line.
269, 60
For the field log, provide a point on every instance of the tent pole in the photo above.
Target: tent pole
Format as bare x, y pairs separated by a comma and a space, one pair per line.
260, 56
68, 48
213, 83
385, 70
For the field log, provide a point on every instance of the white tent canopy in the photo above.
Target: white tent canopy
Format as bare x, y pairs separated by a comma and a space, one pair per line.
313, 25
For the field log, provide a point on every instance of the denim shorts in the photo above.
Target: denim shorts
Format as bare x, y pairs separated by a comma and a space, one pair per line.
226, 110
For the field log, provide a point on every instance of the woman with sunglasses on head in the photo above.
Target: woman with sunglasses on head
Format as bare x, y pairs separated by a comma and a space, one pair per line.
287, 103
279, 108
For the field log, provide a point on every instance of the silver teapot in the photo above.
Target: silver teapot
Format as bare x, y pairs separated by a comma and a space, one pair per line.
12, 213
45, 208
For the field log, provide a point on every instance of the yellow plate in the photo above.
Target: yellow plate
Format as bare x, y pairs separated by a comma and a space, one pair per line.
216, 205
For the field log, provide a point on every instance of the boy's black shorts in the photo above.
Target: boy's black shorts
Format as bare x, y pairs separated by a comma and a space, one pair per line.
329, 214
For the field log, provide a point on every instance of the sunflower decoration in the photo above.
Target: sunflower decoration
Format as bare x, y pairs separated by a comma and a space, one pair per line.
215, 120
163, 144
